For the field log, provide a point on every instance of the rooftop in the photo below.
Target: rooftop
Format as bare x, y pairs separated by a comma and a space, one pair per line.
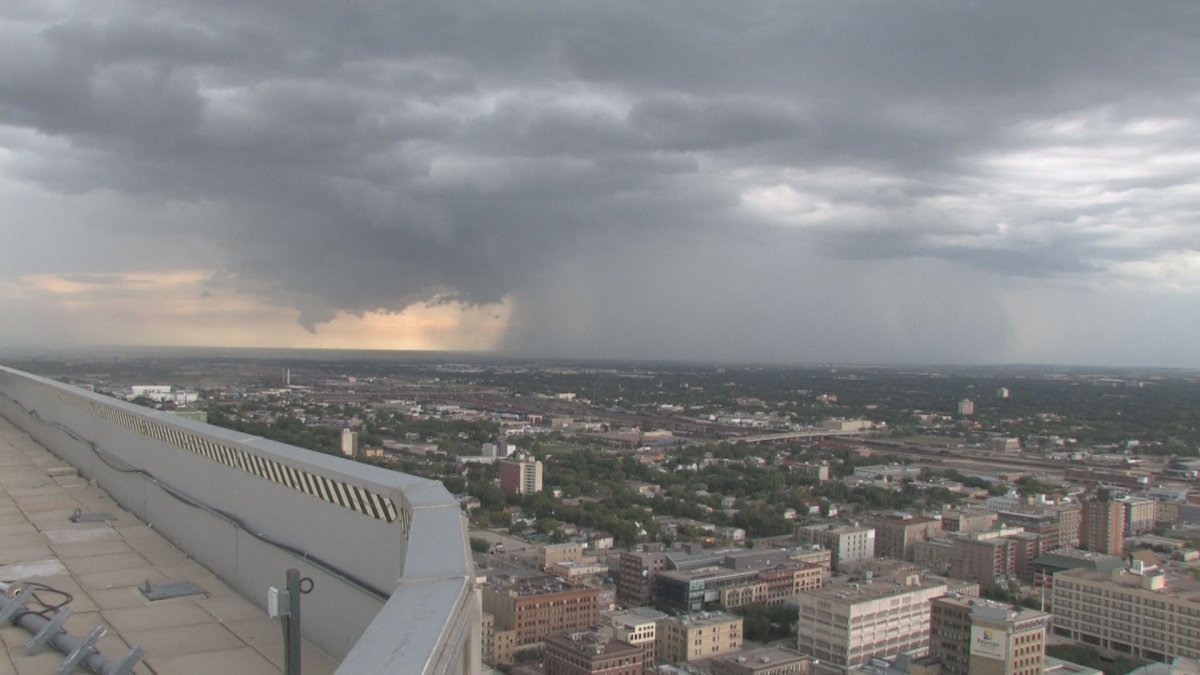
1177, 585
101, 565
636, 616
862, 592
992, 610
777, 656
704, 618
532, 586
382, 554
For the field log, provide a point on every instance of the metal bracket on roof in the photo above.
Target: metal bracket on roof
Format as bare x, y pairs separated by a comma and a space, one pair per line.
85, 649
98, 517
15, 606
125, 665
171, 589
46, 634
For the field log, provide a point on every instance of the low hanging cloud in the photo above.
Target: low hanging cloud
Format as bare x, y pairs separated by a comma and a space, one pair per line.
786, 181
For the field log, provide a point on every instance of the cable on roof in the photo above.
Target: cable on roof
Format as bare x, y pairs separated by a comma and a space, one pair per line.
117, 464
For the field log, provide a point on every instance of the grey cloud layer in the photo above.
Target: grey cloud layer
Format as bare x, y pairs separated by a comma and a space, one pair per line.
374, 155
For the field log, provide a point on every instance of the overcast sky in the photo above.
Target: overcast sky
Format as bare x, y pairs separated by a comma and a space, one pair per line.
838, 181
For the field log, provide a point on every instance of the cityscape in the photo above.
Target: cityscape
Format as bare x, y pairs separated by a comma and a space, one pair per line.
691, 518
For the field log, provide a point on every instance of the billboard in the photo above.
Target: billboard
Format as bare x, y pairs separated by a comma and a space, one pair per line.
988, 643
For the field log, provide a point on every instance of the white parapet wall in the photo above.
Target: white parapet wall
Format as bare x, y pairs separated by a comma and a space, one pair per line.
387, 552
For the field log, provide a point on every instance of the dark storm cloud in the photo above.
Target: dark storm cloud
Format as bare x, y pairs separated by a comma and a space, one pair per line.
375, 155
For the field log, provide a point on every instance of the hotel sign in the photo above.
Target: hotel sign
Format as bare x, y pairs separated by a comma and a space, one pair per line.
988, 643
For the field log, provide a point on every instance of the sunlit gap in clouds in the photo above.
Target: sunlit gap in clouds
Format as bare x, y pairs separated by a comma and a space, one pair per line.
182, 308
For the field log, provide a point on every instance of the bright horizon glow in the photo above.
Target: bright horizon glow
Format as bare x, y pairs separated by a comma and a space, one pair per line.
182, 308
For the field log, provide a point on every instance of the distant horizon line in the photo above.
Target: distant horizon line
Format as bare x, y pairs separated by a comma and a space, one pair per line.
306, 353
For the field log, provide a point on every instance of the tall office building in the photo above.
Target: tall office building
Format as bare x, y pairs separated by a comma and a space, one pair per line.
980, 637
349, 442
896, 533
1103, 524
1141, 514
635, 576
966, 407
847, 543
845, 626
520, 476
1145, 611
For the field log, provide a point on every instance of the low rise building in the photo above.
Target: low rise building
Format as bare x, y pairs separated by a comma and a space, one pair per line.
967, 520
638, 627
1050, 563
539, 606
763, 661
550, 554
812, 553
499, 646
768, 576
971, 636
700, 635
773, 587
590, 653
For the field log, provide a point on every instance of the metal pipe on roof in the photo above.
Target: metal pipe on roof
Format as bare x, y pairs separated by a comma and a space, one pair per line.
78, 652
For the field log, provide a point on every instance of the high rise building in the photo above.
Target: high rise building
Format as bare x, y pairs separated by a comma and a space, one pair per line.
980, 637
349, 442
896, 533
1103, 524
846, 543
1140, 515
983, 559
1070, 520
520, 476
966, 407
635, 575
845, 626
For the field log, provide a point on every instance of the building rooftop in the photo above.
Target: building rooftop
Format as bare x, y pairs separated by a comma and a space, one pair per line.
704, 618
1176, 584
102, 563
382, 554
537, 585
874, 590
1070, 558
634, 617
763, 656
994, 611
593, 643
